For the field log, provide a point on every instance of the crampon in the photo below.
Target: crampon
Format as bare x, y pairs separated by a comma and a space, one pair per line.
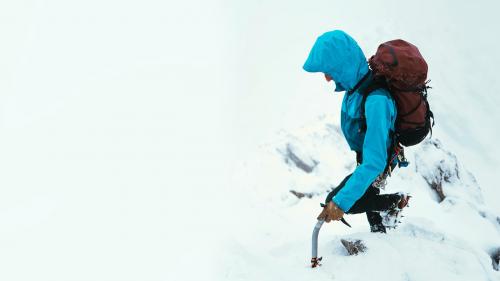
391, 218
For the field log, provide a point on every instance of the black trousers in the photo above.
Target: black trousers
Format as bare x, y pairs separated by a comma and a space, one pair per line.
370, 203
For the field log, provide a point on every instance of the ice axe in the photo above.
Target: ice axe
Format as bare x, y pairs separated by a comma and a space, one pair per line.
315, 261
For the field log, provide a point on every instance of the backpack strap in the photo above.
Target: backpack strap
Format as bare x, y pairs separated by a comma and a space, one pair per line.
372, 84
360, 82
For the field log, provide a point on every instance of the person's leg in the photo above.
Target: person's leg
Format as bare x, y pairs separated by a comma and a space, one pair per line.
363, 205
372, 201
375, 221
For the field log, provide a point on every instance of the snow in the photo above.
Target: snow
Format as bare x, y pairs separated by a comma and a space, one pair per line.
147, 140
437, 240
289, 109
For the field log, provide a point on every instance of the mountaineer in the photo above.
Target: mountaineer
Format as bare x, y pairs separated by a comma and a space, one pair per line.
392, 83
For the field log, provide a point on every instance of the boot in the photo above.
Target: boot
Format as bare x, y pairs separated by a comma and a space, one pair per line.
392, 217
375, 221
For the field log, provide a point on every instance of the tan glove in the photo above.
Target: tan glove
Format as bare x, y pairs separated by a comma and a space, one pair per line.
331, 212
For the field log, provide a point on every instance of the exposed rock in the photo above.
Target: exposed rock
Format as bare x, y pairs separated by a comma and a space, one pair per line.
301, 195
436, 183
291, 156
441, 170
353, 247
495, 259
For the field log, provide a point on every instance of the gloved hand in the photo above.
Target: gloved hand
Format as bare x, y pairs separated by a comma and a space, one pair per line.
331, 212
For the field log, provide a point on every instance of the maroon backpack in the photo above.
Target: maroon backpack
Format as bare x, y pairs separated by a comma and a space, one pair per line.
399, 67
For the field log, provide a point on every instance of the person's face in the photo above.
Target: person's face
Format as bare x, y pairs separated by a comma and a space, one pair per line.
338, 87
328, 78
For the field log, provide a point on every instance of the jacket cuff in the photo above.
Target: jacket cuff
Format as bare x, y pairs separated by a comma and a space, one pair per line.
342, 204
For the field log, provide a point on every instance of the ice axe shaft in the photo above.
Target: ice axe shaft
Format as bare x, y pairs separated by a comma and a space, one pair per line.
315, 260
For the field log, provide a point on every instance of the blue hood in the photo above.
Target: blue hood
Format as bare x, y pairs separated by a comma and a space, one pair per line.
338, 55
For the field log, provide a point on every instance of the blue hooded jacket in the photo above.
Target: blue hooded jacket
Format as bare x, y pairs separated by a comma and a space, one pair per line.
337, 54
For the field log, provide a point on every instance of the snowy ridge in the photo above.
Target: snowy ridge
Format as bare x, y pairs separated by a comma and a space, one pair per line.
448, 232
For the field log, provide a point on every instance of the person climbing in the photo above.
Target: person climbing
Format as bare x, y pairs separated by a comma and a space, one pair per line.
369, 116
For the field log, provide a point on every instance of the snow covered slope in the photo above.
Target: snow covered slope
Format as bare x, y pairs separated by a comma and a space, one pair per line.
122, 121
451, 229
448, 233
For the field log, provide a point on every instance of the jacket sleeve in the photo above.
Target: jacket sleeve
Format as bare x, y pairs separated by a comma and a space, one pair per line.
379, 112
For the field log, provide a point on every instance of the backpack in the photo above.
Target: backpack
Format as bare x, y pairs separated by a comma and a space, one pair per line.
398, 67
